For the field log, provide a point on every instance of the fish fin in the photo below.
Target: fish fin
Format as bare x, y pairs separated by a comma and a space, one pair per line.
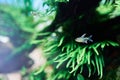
90, 40
83, 35
85, 42
90, 36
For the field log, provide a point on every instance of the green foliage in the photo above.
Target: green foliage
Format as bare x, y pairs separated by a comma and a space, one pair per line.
55, 74
40, 76
104, 9
111, 8
116, 11
80, 77
70, 57
63, 74
77, 55
25, 23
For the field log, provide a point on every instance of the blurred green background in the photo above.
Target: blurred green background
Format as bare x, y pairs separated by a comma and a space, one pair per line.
20, 21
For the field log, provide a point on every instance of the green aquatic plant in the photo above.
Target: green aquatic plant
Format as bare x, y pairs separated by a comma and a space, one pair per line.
90, 55
83, 58
74, 55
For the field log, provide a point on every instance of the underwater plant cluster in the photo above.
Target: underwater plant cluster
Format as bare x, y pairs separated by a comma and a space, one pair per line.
83, 40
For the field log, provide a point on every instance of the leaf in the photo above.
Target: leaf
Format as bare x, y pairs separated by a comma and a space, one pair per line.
81, 52
97, 45
97, 64
68, 48
60, 63
63, 48
88, 57
102, 59
43, 34
51, 52
76, 67
96, 51
80, 77
36, 41
73, 66
101, 68
93, 63
61, 41
81, 69
103, 45
113, 43
89, 69
69, 62
41, 69
50, 47
72, 46
57, 57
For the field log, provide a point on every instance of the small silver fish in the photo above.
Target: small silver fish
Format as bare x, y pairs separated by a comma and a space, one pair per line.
84, 39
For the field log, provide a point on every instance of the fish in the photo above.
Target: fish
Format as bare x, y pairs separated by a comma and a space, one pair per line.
83, 39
